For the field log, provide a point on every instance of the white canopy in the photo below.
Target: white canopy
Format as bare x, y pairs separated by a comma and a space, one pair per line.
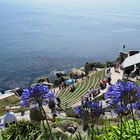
131, 60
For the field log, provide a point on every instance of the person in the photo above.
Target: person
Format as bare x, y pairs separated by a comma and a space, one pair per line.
109, 80
103, 84
85, 103
108, 70
22, 108
8, 118
82, 75
137, 72
52, 106
58, 102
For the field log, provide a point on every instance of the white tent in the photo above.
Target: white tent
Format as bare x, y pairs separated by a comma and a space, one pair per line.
131, 60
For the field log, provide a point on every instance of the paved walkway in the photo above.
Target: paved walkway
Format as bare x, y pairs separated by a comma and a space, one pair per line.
7, 94
27, 117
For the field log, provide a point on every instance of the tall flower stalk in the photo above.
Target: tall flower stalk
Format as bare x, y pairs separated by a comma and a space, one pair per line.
90, 114
124, 96
38, 96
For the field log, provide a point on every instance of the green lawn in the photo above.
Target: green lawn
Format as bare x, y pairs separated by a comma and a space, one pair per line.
138, 82
9, 101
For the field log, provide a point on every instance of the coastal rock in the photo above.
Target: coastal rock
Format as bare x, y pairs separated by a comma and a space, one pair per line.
67, 125
72, 128
43, 79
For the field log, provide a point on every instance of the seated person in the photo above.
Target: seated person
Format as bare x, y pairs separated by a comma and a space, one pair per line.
8, 118
102, 84
109, 80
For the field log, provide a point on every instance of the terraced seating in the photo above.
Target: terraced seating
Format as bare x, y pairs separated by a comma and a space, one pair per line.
62, 92
71, 94
78, 97
82, 86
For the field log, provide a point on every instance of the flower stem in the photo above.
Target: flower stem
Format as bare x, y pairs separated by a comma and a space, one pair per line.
121, 121
134, 121
121, 127
46, 121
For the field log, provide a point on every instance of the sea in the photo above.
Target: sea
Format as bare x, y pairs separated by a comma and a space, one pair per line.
35, 41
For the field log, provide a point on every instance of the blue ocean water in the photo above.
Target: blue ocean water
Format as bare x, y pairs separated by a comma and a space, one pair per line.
35, 41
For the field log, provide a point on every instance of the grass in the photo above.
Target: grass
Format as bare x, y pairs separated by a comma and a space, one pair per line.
0, 137
9, 101
138, 82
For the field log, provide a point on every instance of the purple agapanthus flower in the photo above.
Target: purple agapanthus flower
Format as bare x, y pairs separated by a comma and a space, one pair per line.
84, 104
96, 109
136, 105
77, 110
120, 109
36, 94
121, 95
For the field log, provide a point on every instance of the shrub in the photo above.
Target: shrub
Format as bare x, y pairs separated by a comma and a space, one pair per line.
22, 130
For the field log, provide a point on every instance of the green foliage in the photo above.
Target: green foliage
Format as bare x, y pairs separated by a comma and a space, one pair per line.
112, 132
78, 137
57, 135
138, 82
26, 130
77, 120
57, 82
97, 65
110, 63
0, 137
128, 131
22, 130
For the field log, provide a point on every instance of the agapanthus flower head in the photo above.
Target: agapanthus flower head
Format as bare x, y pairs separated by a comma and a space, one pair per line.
120, 109
36, 94
84, 104
96, 109
77, 110
136, 105
95, 104
50, 94
121, 94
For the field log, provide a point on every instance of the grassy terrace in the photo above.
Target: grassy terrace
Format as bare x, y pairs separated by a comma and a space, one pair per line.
10, 101
82, 86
